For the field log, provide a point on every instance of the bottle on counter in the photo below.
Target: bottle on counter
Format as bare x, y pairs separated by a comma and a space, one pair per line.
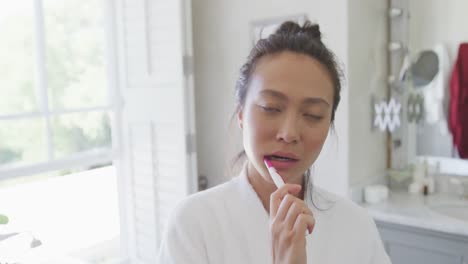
423, 179
429, 180
416, 187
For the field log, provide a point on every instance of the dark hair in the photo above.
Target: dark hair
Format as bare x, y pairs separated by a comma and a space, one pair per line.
290, 36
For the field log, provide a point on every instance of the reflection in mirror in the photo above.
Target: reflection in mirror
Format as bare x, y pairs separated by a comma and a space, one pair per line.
425, 68
436, 34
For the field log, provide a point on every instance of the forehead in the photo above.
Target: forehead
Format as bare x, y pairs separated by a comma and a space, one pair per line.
296, 75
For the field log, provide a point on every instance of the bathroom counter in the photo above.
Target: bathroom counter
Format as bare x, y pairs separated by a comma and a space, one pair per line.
417, 211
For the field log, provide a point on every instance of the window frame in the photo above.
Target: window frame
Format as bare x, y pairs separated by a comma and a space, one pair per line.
81, 159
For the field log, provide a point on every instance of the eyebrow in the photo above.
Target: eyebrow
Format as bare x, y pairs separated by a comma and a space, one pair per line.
280, 95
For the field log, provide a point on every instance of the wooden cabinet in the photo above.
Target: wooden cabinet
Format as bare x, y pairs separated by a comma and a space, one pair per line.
412, 245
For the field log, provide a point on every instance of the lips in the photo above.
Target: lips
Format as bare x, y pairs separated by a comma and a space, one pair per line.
285, 155
282, 160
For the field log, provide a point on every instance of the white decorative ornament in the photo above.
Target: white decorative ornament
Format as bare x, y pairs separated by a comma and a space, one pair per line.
387, 116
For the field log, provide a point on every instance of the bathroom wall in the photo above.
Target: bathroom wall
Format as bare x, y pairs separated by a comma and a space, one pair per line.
367, 75
435, 21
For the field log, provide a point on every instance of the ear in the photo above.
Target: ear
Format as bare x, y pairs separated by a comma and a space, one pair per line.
240, 119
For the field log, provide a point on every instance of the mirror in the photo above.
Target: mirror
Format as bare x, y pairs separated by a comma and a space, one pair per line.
425, 68
435, 31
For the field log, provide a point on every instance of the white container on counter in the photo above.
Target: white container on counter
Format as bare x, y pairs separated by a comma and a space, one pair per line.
374, 194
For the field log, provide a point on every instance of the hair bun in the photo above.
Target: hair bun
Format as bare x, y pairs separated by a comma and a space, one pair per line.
293, 28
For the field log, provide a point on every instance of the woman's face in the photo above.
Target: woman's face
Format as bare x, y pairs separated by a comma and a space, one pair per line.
287, 114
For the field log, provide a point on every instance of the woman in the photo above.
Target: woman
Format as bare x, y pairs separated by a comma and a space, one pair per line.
287, 96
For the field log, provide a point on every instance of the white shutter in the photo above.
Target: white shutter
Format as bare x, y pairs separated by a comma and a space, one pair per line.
158, 163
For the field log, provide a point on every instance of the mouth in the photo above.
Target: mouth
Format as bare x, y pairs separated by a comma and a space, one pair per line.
282, 160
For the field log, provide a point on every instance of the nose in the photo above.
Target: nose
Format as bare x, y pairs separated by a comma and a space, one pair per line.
289, 130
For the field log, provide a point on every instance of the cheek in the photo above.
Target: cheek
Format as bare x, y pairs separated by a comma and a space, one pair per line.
255, 130
314, 140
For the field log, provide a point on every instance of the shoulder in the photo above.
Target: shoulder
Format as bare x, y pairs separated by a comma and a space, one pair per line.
189, 228
195, 215
205, 202
344, 222
340, 208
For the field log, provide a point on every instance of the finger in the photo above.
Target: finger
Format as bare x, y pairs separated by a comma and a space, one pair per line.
304, 222
285, 206
277, 196
309, 212
297, 208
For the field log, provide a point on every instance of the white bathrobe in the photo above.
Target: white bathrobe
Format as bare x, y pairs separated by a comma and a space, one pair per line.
228, 224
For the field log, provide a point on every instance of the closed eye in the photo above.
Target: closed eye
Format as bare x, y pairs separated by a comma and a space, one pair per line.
270, 109
313, 117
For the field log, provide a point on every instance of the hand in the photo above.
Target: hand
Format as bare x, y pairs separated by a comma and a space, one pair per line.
290, 217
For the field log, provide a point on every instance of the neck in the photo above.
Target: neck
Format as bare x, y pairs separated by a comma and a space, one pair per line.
265, 188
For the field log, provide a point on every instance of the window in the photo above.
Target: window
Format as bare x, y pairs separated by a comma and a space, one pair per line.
55, 111
56, 118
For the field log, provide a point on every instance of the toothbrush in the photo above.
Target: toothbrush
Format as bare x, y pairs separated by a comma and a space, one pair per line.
274, 174
277, 179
